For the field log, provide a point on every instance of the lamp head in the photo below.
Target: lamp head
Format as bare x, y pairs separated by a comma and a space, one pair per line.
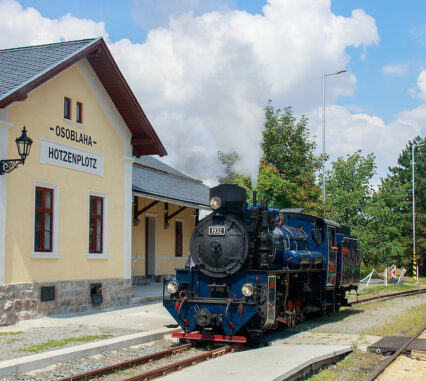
23, 143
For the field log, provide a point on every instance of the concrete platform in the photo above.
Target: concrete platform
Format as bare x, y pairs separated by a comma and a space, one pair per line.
150, 319
143, 317
147, 293
42, 360
277, 362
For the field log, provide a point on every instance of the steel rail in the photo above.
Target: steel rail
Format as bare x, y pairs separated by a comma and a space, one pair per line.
178, 365
390, 296
127, 364
396, 354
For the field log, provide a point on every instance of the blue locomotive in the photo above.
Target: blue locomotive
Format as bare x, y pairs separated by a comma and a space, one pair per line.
255, 268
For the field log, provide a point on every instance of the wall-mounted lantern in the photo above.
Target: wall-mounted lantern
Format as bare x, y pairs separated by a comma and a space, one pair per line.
23, 144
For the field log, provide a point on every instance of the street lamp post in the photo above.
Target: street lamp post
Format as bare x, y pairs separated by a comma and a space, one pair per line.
323, 128
415, 266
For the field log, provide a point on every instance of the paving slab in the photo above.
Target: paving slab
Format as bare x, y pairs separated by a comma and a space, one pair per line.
277, 362
306, 337
142, 317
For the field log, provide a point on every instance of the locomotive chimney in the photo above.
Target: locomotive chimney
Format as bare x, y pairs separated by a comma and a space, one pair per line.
254, 198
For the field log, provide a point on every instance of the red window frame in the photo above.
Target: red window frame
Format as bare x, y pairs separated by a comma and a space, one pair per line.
42, 230
178, 238
96, 225
79, 112
67, 108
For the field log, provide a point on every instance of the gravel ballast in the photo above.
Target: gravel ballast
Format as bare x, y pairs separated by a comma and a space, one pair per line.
354, 321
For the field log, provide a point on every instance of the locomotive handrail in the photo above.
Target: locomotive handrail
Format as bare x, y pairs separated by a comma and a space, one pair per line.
180, 307
226, 314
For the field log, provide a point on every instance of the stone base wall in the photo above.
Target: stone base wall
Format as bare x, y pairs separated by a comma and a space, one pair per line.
20, 301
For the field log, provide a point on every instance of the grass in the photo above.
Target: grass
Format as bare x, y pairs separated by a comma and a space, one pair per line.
61, 343
422, 280
356, 366
128, 372
390, 288
11, 341
403, 325
10, 333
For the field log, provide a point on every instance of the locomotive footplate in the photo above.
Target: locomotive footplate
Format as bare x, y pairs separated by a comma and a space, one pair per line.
210, 337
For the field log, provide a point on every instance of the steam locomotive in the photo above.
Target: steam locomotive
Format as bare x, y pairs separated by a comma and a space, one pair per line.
255, 268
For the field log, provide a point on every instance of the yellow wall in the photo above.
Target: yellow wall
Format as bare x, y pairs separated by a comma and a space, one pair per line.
43, 109
166, 262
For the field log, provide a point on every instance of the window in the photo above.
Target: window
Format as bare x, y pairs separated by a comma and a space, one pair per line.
67, 108
43, 219
178, 238
96, 224
79, 112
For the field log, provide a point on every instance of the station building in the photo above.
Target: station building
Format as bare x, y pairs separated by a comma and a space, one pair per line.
78, 219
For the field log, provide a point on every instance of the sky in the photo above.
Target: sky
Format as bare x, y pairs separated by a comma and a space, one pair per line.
203, 71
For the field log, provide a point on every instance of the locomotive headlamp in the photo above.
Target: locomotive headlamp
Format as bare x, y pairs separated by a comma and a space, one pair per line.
172, 287
215, 203
247, 289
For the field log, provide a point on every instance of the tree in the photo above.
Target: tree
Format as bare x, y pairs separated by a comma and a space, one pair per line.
382, 236
401, 176
229, 160
348, 188
287, 171
349, 195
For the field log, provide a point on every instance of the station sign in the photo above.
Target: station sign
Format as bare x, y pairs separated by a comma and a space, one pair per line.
68, 157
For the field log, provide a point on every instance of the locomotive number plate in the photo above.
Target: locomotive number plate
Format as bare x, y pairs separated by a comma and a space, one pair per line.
217, 230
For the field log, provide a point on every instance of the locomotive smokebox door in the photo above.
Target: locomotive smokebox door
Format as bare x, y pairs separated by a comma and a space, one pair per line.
219, 245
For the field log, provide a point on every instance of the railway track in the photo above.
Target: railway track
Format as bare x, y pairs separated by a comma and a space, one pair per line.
396, 354
193, 360
157, 372
390, 296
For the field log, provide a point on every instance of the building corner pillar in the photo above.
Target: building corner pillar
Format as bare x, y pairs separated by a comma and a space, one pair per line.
5, 125
127, 249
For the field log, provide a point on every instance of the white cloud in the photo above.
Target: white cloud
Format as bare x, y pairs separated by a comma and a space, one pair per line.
421, 83
395, 69
21, 27
203, 80
347, 132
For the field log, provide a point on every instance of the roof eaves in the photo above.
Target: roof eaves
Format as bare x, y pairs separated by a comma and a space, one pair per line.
174, 174
8, 98
165, 198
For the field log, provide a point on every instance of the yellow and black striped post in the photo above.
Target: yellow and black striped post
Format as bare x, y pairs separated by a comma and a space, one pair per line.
414, 267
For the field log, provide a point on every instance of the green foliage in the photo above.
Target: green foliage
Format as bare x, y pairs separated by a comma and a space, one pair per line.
228, 160
274, 189
288, 146
381, 218
348, 188
400, 177
382, 236
288, 168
